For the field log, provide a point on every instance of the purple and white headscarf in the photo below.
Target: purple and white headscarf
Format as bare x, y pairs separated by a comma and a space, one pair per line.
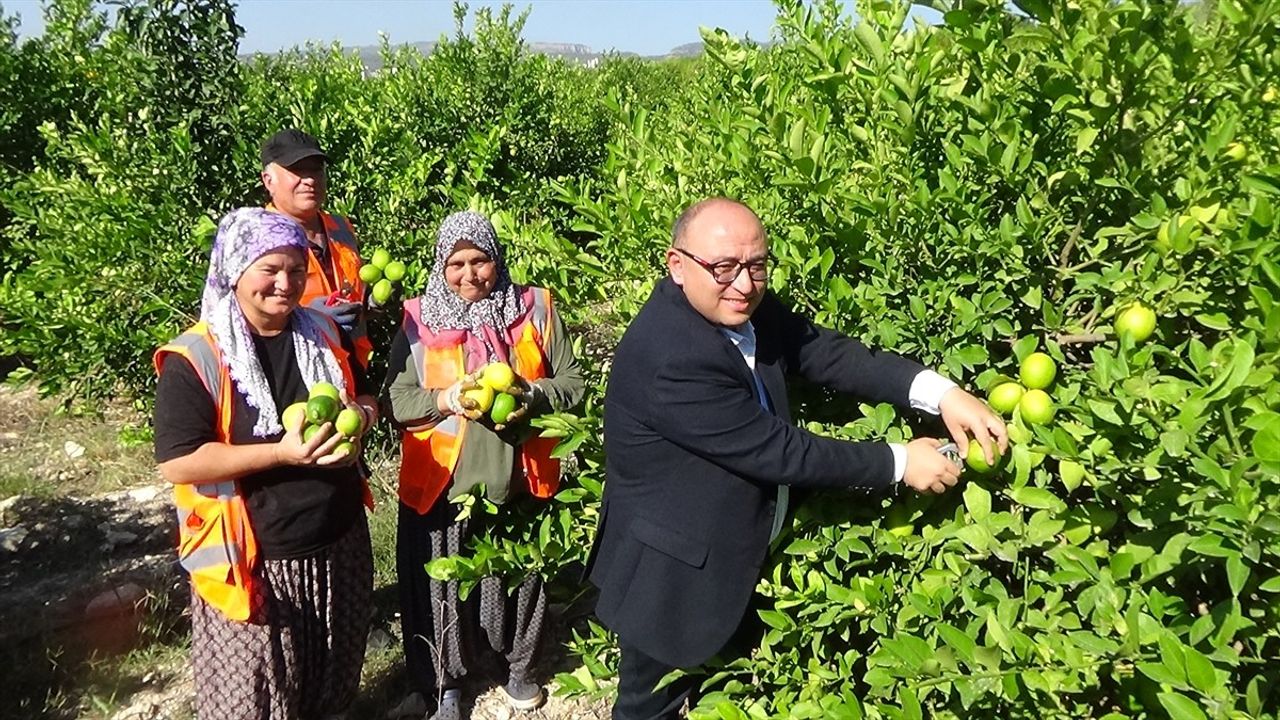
244, 235
444, 309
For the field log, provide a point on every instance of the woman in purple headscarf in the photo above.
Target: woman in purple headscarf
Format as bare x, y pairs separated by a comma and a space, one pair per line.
471, 316
272, 527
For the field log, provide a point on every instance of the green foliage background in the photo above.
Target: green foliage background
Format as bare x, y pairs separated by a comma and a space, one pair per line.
964, 194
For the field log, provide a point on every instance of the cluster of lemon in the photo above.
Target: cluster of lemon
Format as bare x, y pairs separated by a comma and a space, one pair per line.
324, 405
1029, 397
490, 395
383, 274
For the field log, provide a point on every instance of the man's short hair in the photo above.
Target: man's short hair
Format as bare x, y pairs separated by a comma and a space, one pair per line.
691, 213
290, 146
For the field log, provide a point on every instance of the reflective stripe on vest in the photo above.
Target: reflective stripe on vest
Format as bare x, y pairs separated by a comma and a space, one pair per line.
216, 543
428, 457
344, 263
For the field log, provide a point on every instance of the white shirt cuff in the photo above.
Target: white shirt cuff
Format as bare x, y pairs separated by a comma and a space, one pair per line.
899, 461
926, 392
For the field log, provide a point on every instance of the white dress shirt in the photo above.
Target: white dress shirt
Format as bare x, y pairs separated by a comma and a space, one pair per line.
927, 389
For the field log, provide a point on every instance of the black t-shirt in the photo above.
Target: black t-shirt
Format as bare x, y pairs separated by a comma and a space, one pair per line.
295, 511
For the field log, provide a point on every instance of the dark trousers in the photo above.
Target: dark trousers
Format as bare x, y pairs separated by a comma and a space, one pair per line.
637, 699
639, 674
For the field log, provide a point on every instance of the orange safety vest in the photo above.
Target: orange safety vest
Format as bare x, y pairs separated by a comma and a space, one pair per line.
428, 457
344, 266
216, 542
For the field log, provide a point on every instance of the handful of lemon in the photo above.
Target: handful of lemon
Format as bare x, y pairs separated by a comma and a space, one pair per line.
492, 394
383, 275
324, 405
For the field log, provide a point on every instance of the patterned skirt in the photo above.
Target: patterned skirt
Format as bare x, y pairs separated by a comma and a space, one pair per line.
443, 635
300, 655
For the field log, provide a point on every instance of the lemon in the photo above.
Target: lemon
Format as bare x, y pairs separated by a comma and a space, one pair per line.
497, 376
503, 405
1036, 407
1136, 321
321, 409
394, 271
325, 389
380, 258
348, 422
294, 416
482, 396
370, 273
382, 291
1037, 371
977, 461
1005, 396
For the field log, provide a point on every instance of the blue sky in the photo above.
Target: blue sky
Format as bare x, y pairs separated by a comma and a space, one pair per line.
648, 27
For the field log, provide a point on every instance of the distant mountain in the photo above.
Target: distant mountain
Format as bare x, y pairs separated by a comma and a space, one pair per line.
371, 57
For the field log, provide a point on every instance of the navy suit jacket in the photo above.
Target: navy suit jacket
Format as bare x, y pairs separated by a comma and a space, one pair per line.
694, 461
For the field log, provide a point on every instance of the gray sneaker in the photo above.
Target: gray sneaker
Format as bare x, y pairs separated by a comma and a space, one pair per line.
414, 706
524, 695
450, 706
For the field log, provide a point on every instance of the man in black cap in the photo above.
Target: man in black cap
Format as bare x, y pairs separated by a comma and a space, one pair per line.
293, 173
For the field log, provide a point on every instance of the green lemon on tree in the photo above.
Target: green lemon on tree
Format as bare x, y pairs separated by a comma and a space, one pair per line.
380, 258
1136, 321
294, 416
394, 271
1037, 371
382, 291
325, 389
497, 376
1036, 407
348, 422
370, 273
321, 409
482, 396
503, 405
1005, 396
977, 461
1235, 152
1170, 230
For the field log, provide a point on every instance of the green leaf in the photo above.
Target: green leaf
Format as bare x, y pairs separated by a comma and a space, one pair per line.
1200, 671
777, 620
977, 501
1272, 585
1180, 707
1039, 498
958, 641
803, 546
1261, 183
1085, 139
867, 38
1237, 574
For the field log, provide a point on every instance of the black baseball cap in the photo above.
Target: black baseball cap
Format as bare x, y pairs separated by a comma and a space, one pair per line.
289, 146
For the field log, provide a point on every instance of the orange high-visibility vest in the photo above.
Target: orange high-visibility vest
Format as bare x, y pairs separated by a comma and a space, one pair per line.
216, 543
428, 457
344, 267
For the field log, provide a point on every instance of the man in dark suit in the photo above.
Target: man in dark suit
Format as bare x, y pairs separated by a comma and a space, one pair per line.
701, 449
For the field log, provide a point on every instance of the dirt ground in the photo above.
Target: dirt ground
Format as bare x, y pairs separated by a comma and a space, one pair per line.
92, 606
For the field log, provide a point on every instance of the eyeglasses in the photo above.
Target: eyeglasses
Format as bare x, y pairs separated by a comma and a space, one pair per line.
726, 271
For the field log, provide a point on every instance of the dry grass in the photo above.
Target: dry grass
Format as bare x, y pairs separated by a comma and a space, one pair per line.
34, 437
